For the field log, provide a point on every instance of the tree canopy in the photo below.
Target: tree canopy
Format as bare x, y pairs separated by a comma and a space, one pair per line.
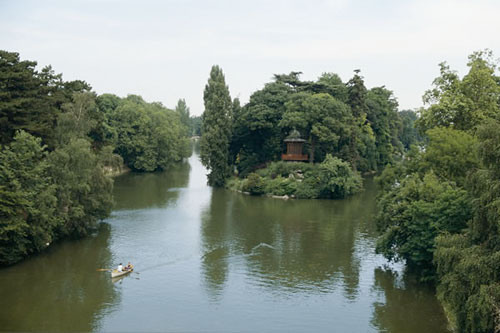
439, 208
216, 128
58, 143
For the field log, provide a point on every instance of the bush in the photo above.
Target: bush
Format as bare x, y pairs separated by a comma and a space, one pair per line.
332, 179
254, 184
284, 169
280, 186
308, 188
336, 179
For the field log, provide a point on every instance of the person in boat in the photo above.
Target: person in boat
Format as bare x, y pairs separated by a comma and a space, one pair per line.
120, 268
128, 267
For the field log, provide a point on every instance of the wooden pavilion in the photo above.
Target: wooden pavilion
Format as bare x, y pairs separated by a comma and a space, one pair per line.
294, 148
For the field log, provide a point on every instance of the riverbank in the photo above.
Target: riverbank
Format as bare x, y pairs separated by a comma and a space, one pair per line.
116, 171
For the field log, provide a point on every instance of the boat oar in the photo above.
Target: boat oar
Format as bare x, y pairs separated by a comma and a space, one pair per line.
104, 269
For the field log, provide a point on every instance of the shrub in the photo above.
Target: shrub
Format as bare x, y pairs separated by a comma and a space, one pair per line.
280, 186
336, 179
308, 188
254, 184
284, 169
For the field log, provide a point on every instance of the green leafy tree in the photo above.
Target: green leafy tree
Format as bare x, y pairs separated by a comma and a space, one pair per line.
334, 86
320, 117
149, 136
76, 120
257, 136
383, 118
408, 133
451, 154
413, 213
195, 122
25, 97
31, 100
183, 110
462, 155
362, 138
216, 128
463, 103
27, 199
84, 193
336, 179
467, 264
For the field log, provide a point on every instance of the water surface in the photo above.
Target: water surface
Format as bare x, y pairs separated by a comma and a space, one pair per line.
214, 260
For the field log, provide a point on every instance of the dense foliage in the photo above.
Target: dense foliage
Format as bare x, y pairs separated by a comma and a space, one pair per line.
346, 120
440, 207
147, 136
59, 142
216, 128
331, 179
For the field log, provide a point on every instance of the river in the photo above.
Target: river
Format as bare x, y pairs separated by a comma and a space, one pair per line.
217, 261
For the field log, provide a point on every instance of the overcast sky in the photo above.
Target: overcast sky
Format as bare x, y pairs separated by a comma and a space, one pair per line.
163, 50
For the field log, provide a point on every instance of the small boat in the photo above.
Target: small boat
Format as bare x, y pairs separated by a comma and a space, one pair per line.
115, 273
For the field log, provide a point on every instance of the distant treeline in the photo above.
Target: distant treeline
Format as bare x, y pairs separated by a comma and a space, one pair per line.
358, 126
59, 141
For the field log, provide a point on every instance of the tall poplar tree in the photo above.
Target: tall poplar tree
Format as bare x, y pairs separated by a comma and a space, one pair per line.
356, 99
183, 110
216, 128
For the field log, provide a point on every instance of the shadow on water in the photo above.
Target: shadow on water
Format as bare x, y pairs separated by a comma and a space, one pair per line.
408, 307
59, 289
154, 190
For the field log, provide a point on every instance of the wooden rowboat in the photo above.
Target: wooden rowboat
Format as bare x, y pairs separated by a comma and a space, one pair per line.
115, 273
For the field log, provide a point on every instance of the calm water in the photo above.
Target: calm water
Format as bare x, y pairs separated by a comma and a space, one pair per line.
213, 260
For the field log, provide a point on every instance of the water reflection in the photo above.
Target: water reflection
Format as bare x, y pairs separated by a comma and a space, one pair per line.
150, 190
285, 246
216, 243
34, 290
232, 262
406, 304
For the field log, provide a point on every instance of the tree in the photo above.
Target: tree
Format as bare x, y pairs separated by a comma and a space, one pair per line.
76, 120
467, 264
183, 110
451, 154
336, 179
149, 136
440, 208
320, 117
25, 101
463, 103
195, 125
408, 134
413, 214
356, 99
333, 85
382, 117
216, 128
31, 100
27, 199
84, 193
257, 136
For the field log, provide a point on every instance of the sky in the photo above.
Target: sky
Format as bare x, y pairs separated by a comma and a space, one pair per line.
163, 50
